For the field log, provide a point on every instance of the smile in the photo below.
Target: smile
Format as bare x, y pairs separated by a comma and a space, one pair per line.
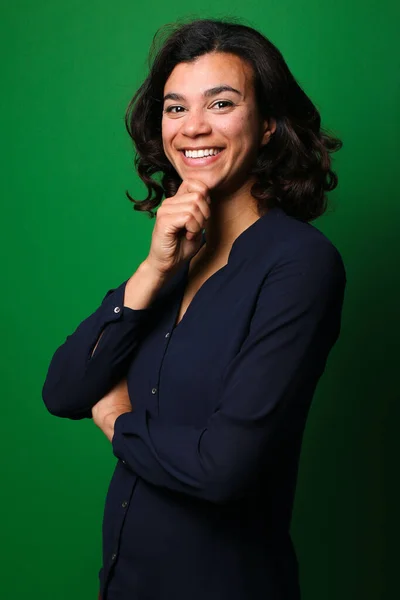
201, 161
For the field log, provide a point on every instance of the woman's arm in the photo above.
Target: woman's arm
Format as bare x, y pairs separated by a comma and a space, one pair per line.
262, 404
96, 355
140, 290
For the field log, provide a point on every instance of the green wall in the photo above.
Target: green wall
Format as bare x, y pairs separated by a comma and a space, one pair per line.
69, 234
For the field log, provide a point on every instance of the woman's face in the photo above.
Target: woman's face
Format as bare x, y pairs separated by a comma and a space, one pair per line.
198, 115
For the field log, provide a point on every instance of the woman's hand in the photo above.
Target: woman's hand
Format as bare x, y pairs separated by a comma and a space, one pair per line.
111, 406
178, 227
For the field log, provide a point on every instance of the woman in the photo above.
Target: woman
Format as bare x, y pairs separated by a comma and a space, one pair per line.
201, 367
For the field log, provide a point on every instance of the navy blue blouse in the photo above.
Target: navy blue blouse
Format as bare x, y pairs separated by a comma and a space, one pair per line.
199, 506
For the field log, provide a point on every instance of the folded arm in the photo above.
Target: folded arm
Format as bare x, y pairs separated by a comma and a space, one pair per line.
94, 357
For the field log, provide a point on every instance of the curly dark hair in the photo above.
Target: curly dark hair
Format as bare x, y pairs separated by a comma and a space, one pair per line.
292, 170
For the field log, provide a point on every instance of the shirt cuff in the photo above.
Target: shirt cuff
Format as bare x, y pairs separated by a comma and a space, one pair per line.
130, 423
113, 307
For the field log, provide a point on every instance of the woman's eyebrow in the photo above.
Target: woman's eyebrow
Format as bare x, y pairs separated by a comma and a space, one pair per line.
208, 93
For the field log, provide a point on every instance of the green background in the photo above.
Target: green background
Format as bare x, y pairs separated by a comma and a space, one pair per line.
69, 234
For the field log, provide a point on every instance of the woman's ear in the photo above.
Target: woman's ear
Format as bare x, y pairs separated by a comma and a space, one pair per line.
269, 128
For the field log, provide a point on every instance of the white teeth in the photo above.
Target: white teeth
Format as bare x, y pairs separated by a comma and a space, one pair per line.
201, 153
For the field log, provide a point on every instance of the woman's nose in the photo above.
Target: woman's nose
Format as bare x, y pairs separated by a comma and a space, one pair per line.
195, 122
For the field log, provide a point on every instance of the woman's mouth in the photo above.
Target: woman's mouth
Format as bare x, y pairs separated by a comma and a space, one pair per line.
201, 161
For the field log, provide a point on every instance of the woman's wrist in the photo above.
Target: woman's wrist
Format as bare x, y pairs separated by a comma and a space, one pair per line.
143, 286
108, 422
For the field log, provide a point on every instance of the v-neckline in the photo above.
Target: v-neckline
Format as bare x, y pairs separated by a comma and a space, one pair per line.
274, 211
184, 285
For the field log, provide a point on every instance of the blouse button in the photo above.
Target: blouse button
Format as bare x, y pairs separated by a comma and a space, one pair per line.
124, 504
154, 390
167, 334
117, 309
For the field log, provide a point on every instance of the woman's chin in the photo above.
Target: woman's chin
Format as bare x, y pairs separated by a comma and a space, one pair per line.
209, 179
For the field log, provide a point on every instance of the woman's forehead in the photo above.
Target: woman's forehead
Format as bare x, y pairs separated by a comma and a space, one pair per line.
209, 71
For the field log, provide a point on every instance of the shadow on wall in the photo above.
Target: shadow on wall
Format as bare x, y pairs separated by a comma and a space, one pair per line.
347, 497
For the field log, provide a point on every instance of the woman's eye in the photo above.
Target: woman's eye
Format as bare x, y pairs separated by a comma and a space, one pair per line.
224, 102
171, 109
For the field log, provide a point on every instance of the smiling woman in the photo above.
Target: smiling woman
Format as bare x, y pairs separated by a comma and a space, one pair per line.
227, 82
201, 367
223, 118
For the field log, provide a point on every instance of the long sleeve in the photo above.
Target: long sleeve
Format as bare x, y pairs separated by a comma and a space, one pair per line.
295, 323
76, 380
